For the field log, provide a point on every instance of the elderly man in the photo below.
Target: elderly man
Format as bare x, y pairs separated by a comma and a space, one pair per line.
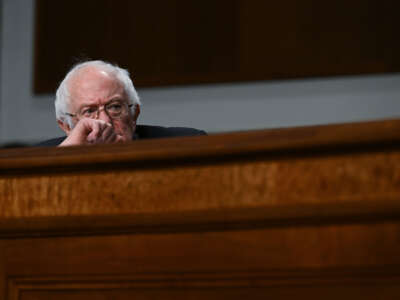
97, 103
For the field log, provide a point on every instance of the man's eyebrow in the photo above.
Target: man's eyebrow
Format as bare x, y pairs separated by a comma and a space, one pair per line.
117, 98
87, 105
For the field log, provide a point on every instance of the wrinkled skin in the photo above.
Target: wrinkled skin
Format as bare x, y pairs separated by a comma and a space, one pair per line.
93, 86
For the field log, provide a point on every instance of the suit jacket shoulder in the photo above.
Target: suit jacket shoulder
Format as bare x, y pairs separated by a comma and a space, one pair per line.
151, 132
52, 142
142, 132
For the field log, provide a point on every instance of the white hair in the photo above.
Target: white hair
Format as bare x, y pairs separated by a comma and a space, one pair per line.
63, 99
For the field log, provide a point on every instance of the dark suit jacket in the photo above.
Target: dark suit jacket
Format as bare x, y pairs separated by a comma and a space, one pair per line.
143, 132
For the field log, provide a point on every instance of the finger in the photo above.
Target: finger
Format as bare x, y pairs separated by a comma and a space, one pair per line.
95, 132
108, 135
104, 133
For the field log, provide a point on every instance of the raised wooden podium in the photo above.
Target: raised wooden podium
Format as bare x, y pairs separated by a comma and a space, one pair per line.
298, 213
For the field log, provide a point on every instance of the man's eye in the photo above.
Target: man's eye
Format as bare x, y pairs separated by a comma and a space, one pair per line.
115, 107
88, 111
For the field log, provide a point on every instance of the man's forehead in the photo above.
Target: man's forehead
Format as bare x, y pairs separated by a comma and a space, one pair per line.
92, 83
91, 74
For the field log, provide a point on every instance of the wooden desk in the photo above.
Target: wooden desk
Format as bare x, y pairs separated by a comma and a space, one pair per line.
306, 213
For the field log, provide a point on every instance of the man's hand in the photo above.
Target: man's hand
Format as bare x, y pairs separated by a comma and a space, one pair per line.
91, 131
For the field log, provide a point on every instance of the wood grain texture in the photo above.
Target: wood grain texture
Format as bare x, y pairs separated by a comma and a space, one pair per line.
209, 285
307, 212
310, 174
273, 261
294, 181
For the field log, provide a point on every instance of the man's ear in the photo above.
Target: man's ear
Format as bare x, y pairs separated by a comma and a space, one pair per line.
64, 126
137, 112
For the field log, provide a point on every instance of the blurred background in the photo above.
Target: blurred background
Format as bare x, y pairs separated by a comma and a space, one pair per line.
220, 66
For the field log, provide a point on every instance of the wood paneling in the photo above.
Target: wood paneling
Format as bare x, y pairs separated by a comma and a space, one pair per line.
188, 42
351, 261
307, 212
161, 42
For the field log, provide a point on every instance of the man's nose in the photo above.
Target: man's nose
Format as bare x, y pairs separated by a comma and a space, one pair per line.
104, 116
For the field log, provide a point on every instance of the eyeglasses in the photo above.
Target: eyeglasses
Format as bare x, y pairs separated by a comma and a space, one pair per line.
114, 109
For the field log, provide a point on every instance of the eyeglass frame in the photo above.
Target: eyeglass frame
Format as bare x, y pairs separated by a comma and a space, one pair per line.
76, 115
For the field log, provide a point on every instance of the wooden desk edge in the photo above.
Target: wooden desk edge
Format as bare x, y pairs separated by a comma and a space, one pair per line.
359, 212
381, 134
